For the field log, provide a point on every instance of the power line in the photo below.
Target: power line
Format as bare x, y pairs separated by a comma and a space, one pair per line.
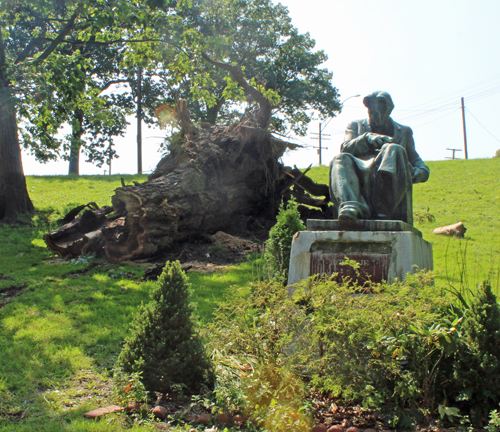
469, 111
436, 119
472, 93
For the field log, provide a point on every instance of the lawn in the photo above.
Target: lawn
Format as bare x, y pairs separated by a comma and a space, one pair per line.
62, 322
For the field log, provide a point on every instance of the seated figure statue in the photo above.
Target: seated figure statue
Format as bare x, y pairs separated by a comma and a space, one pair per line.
372, 176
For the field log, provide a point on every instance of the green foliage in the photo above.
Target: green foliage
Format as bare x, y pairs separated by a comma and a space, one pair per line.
278, 246
128, 387
274, 398
497, 153
163, 344
494, 423
477, 363
362, 339
274, 58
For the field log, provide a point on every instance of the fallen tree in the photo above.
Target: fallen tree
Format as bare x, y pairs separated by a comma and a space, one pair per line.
213, 179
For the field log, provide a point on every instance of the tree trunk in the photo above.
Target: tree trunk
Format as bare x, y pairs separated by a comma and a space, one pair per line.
213, 111
76, 144
14, 198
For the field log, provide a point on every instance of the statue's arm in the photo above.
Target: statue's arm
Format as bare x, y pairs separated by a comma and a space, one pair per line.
355, 144
421, 170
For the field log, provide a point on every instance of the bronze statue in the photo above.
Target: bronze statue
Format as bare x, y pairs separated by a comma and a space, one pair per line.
372, 176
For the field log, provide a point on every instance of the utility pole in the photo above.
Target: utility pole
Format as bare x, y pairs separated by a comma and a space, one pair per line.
322, 127
465, 134
453, 150
110, 157
320, 137
319, 148
139, 120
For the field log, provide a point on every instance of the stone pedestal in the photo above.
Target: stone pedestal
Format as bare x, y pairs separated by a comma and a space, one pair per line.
385, 250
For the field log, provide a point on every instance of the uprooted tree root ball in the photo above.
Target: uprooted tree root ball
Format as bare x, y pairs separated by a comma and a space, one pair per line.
217, 178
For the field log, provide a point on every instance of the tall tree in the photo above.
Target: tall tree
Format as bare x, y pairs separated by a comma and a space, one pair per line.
76, 94
32, 32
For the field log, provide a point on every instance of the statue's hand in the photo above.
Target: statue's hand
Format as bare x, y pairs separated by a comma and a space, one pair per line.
419, 176
376, 141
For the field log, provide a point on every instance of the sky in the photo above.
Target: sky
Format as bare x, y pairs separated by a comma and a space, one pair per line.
427, 54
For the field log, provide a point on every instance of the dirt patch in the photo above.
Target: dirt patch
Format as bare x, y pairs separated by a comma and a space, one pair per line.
7, 293
207, 254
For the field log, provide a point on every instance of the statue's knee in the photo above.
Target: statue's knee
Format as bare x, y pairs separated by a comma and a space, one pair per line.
393, 148
342, 159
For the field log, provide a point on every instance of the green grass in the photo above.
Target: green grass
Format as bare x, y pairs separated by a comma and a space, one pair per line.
60, 336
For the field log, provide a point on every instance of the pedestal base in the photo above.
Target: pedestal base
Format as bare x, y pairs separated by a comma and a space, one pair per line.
385, 251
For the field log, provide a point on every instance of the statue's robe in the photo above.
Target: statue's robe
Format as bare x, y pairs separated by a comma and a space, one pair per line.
377, 183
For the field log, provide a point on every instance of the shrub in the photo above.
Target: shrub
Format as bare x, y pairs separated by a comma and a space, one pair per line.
403, 348
477, 363
163, 344
374, 344
497, 153
277, 254
274, 399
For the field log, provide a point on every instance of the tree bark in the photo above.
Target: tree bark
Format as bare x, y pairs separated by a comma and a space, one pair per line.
76, 144
14, 198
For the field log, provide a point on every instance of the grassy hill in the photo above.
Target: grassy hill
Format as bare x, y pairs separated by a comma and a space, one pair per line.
62, 322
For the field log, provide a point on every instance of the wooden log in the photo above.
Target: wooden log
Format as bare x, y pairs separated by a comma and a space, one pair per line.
81, 236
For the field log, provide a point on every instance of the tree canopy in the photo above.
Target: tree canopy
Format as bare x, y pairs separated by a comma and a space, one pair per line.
257, 37
223, 56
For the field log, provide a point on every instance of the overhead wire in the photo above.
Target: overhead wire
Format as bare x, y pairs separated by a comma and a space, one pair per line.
475, 118
472, 93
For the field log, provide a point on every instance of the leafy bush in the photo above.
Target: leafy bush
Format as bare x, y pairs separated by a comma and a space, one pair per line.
497, 153
404, 349
375, 345
128, 387
263, 328
277, 254
163, 344
274, 399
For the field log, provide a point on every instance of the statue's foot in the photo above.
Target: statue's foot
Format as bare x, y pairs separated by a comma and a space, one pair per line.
348, 216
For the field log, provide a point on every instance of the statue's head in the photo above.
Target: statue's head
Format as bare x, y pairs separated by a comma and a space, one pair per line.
380, 106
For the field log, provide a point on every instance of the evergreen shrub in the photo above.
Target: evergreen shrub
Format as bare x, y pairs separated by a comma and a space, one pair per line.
279, 244
163, 345
477, 362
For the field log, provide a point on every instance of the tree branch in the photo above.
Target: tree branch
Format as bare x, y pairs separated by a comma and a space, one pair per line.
237, 73
110, 83
31, 46
80, 42
60, 37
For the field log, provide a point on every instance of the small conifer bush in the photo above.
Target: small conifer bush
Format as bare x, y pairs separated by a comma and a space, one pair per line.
279, 244
477, 364
163, 344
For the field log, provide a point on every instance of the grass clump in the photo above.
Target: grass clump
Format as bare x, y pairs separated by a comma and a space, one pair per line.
163, 344
279, 244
